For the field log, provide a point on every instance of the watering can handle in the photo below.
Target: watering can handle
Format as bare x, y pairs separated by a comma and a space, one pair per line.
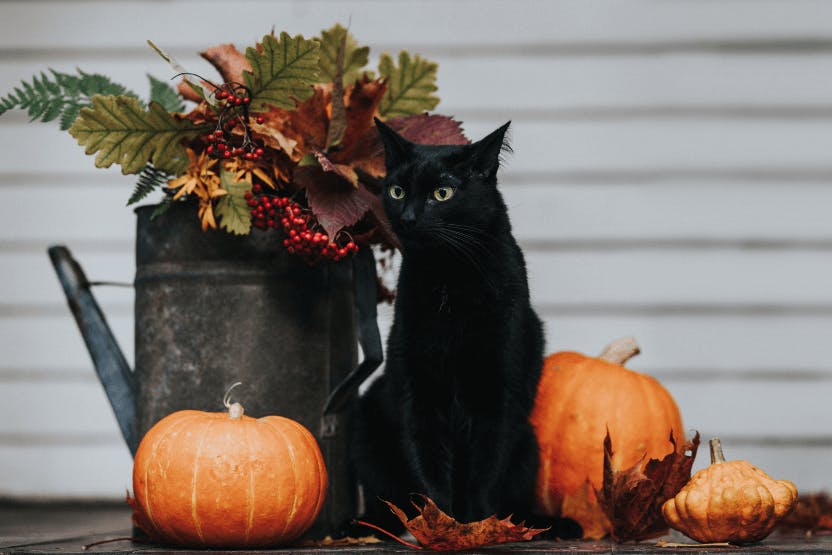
112, 367
366, 292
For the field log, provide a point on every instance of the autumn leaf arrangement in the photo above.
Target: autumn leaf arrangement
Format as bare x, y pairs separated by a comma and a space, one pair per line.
282, 141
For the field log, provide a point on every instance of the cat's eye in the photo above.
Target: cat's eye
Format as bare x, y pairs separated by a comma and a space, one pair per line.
396, 192
443, 193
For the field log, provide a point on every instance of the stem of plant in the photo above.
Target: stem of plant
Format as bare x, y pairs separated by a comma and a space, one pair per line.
385, 532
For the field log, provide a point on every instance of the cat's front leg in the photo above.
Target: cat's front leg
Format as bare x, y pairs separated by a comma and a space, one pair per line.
429, 454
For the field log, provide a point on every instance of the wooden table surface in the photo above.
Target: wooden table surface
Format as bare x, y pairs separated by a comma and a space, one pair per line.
64, 528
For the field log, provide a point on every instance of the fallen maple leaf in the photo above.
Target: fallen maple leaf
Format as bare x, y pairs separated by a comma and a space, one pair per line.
632, 498
437, 531
811, 514
582, 507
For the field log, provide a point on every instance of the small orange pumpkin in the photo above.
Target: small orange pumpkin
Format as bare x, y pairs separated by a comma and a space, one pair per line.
228, 480
579, 398
731, 501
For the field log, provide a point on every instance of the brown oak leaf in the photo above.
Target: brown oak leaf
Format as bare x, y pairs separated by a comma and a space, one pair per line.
229, 62
360, 138
582, 507
437, 531
632, 498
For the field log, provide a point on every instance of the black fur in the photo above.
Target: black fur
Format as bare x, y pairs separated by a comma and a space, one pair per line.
449, 416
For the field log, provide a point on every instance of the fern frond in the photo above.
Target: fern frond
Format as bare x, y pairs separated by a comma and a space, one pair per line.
60, 96
149, 180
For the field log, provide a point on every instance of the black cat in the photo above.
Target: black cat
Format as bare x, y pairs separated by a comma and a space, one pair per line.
449, 416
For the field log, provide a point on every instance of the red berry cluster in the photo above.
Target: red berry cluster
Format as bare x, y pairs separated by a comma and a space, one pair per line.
298, 225
233, 96
220, 147
233, 111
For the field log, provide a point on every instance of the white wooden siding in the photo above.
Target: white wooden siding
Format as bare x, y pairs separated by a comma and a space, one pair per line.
672, 179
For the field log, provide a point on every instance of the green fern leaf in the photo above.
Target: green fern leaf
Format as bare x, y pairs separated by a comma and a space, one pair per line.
409, 85
149, 180
59, 96
162, 207
284, 72
164, 94
232, 209
122, 132
355, 57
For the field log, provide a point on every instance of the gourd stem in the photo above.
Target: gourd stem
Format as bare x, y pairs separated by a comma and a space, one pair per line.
620, 350
716, 451
235, 410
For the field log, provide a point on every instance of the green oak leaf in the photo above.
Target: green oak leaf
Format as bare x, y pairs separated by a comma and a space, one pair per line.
409, 85
122, 132
283, 72
164, 94
355, 57
232, 209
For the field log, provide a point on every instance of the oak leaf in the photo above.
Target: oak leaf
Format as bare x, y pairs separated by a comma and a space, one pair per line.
232, 208
282, 71
354, 57
120, 131
632, 498
437, 531
410, 85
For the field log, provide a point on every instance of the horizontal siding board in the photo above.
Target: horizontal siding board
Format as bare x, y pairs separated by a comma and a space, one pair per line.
802, 410
597, 278
600, 86
624, 146
54, 342
99, 24
74, 209
66, 471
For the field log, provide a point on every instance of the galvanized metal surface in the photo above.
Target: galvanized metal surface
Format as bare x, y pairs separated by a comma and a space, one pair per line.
212, 309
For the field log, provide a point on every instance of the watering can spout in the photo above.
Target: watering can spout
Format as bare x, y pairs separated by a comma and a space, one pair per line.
112, 368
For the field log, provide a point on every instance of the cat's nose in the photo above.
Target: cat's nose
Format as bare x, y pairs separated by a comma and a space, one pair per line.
408, 218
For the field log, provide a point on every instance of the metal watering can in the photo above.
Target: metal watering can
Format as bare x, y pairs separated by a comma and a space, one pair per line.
212, 309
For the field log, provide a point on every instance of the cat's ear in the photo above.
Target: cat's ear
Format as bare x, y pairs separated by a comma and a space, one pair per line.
396, 147
487, 152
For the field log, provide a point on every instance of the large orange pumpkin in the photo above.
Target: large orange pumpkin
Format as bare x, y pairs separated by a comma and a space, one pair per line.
578, 399
228, 480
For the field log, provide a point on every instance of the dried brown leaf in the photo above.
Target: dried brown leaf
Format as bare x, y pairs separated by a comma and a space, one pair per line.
329, 541
632, 498
811, 514
229, 62
436, 530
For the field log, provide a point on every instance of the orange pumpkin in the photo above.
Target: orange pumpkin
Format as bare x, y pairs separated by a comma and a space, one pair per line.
578, 399
228, 480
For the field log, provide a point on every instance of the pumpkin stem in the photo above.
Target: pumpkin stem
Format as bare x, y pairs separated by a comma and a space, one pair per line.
235, 411
716, 451
620, 350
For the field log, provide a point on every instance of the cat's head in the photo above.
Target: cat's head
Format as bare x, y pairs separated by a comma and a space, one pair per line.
432, 191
